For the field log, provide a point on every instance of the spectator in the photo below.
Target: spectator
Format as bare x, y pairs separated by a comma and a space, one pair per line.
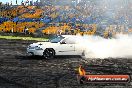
66, 31
26, 30
12, 30
59, 31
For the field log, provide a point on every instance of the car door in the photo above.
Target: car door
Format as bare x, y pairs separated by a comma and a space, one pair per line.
66, 47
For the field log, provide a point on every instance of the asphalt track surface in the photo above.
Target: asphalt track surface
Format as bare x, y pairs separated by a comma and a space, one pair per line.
19, 71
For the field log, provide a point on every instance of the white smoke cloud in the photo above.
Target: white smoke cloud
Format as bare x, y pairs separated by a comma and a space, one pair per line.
98, 47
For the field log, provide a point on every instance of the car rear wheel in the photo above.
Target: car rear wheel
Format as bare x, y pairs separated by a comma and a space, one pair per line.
83, 54
48, 53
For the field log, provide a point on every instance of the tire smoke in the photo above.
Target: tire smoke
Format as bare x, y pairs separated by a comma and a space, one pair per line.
98, 47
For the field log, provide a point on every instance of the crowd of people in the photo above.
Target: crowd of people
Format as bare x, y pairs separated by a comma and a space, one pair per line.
87, 17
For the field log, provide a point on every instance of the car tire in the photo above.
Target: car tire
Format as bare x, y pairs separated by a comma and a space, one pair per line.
83, 54
49, 53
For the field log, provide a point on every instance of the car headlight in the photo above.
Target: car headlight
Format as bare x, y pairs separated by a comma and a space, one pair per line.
38, 48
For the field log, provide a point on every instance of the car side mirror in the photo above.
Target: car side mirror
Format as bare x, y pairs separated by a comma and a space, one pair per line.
62, 42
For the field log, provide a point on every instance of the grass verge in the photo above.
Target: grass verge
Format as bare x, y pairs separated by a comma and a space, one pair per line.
23, 38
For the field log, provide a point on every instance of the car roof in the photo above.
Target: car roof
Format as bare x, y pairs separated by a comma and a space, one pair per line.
67, 36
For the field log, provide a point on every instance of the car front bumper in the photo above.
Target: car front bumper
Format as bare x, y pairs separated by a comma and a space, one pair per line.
31, 52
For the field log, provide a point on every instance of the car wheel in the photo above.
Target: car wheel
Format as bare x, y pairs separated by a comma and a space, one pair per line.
83, 54
48, 53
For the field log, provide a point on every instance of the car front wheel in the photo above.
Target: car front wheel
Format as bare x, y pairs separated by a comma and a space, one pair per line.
48, 53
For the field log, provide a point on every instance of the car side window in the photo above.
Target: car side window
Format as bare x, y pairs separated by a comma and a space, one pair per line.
69, 41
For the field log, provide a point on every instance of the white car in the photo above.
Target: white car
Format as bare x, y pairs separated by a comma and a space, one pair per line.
60, 45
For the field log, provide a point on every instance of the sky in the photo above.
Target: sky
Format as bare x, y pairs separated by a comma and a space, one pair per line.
14, 1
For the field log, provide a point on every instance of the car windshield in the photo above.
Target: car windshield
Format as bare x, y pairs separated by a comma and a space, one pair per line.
56, 39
